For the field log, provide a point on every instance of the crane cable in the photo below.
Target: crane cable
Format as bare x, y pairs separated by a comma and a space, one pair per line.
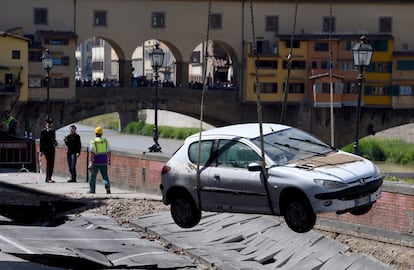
289, 67
259, 110
202, 104
331, 74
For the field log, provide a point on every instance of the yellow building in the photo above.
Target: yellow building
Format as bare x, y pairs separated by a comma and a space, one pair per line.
272, 70
402, 77
13, 67
310, 76
61, 45
378, 76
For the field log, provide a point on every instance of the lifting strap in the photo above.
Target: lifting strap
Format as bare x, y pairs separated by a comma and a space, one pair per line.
202, 103
331, 74
289, 67
259, 111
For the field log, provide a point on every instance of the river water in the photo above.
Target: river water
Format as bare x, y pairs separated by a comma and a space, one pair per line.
119, 141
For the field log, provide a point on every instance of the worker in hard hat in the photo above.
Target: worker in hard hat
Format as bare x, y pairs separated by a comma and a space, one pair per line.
100, 158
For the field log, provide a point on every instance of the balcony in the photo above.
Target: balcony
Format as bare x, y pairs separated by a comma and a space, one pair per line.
10, 88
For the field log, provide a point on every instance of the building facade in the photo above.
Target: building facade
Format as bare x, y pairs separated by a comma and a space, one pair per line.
13, 66
181, 26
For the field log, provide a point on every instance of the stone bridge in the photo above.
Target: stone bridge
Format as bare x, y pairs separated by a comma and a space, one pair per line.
220, 108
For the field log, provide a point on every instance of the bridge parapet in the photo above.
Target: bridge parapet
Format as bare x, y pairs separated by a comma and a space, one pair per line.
221, 107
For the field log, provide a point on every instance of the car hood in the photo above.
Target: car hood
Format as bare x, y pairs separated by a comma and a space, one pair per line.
338, 166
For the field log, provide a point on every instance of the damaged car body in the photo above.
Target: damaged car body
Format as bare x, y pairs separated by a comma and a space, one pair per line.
221, 170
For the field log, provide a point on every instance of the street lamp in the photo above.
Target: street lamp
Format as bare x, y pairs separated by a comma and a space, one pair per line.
47, 60
362, 52
156, 57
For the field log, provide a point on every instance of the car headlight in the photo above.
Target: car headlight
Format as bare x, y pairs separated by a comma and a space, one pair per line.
329, 184
377, 172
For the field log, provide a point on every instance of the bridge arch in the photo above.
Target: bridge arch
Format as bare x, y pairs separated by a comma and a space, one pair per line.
218, 60
87, 56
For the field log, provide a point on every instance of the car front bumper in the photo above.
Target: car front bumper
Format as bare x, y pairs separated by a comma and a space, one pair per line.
345, 204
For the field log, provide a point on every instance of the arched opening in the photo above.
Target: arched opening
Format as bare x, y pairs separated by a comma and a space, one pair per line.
142, 71
216, 58
97, 63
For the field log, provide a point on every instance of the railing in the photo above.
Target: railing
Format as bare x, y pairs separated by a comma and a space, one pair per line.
10, 89
18, 154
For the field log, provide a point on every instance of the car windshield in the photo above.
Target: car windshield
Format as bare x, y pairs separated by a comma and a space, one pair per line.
292, 144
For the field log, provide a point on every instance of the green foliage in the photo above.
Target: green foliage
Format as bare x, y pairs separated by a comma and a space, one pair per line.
379, 149
134, 127
143, 129
372, 150
108, 121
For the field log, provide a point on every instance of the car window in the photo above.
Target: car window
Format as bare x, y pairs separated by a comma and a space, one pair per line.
292, 144
235, 154
205, 152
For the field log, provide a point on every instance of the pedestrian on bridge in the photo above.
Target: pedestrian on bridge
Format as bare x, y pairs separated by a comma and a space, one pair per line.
47, 148
73, 142
99, 160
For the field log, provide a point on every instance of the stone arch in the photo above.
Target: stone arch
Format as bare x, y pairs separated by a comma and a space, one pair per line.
170, 71
222, 65
117, 62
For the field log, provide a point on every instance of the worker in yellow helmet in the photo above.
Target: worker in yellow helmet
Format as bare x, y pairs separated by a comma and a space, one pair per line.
100, 158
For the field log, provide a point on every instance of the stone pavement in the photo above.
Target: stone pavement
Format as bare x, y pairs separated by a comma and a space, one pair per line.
239, 241
225, 241
36, 181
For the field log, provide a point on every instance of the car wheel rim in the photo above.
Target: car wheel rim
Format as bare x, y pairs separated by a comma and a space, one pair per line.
296, 214
182, 211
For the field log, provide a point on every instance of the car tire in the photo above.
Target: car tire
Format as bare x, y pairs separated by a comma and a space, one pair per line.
361, 210
185, 212
299, 216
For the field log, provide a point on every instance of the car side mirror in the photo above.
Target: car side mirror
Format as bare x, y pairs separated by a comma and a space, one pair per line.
254, 167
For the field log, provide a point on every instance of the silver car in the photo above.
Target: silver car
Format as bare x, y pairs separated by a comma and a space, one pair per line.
221, 170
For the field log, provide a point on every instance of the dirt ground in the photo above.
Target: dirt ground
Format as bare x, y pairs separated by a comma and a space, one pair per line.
397, 257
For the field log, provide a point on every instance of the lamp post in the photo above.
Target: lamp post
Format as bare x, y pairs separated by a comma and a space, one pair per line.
156, 57
47, 60
362, 52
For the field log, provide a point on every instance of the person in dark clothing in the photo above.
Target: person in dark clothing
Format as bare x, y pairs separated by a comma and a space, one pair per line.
47, 148
73, 142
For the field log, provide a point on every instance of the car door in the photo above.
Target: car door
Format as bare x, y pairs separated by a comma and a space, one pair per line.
228, 185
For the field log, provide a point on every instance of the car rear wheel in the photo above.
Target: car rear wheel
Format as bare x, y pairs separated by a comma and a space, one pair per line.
185, 212
361, 210
299, 216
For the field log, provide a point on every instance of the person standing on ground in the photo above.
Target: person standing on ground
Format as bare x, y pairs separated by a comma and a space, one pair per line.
73, 142
100, 158
47, 148
11, 123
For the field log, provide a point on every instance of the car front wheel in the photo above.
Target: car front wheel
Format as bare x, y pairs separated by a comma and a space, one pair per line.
299, 216
185, 212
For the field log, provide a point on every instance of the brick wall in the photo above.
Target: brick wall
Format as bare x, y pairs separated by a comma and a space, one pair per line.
394, 211
128, 170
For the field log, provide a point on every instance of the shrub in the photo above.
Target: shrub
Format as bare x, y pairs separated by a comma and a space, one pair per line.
134, 127
143, 129
378, 149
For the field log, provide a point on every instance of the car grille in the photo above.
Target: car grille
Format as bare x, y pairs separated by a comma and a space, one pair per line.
354, 192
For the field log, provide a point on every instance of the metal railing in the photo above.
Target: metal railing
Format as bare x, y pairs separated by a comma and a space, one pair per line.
18, 154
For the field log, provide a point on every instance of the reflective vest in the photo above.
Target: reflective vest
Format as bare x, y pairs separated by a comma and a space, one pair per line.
10, 121
99, 146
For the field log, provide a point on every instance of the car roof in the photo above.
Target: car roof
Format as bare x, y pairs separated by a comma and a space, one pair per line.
248, 130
